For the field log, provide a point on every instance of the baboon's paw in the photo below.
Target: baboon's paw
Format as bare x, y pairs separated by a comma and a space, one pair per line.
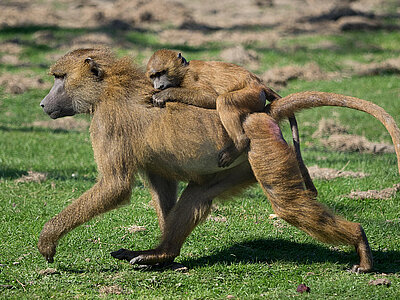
227, 156
359, 269
123, 254
148, 257
151, 258
224, 159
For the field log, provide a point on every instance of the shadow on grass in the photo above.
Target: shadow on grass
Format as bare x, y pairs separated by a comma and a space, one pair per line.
40, 129
265, 251
270, 251
64, 175
11, 174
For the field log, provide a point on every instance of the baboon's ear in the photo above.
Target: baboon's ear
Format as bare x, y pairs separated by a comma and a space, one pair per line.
183, 60
95, 68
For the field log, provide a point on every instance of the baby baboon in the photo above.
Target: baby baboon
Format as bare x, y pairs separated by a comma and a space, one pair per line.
180, 143
232, 90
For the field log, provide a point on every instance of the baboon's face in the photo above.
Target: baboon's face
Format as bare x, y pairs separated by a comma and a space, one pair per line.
77, 85
58, 103
166, 69
161, 81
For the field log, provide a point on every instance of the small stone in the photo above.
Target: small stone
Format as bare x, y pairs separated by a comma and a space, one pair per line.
303, 288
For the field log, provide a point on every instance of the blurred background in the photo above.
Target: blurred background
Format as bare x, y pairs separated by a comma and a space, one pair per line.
281, 40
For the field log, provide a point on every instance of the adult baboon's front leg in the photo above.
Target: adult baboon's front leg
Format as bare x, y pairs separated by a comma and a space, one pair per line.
192, 208
103, 196
276, 169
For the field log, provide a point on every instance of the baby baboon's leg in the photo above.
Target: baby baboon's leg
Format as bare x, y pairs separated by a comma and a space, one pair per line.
232, 108
193, 207
164, 195
276, 169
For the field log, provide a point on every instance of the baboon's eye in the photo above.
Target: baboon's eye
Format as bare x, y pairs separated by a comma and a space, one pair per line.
161, 73
59, 76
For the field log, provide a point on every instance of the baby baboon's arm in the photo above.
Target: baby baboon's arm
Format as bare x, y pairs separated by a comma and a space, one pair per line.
205, 97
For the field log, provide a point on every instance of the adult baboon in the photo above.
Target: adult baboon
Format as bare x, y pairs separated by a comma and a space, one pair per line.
181, 142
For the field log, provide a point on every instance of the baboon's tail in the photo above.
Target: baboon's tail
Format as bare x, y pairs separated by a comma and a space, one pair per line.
287, 106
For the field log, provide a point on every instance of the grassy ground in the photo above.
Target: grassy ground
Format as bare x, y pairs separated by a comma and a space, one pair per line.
240, 252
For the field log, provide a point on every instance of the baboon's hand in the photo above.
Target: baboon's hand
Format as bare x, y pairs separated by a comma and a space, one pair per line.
47, 242
47, 248
160, 98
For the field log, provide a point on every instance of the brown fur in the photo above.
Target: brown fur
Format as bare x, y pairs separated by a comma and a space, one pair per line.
130, 137
272, 160
231, 89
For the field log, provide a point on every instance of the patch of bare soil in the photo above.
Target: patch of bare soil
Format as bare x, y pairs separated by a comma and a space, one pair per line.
344, 16
119, 14
45, 37
375, 194
135, 228
329, 174
32, 177
149, 11
358, 23
196, 38
336, 137
221, 219
111, 290
391, 65
92, 40
240, 56
64, 14
10, 48
380, 281
10, 59
327, 127
18, 84
279, 77
48, 271
66, 123
355, 143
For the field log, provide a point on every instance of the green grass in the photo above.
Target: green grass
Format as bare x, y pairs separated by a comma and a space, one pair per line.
248, 256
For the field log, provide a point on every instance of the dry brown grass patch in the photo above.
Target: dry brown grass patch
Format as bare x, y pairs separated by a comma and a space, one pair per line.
329, 174
383, 194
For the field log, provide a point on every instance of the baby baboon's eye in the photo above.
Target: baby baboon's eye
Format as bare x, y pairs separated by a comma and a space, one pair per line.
159, 74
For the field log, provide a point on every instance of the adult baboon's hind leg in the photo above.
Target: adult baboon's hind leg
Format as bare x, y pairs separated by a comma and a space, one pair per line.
275, 167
